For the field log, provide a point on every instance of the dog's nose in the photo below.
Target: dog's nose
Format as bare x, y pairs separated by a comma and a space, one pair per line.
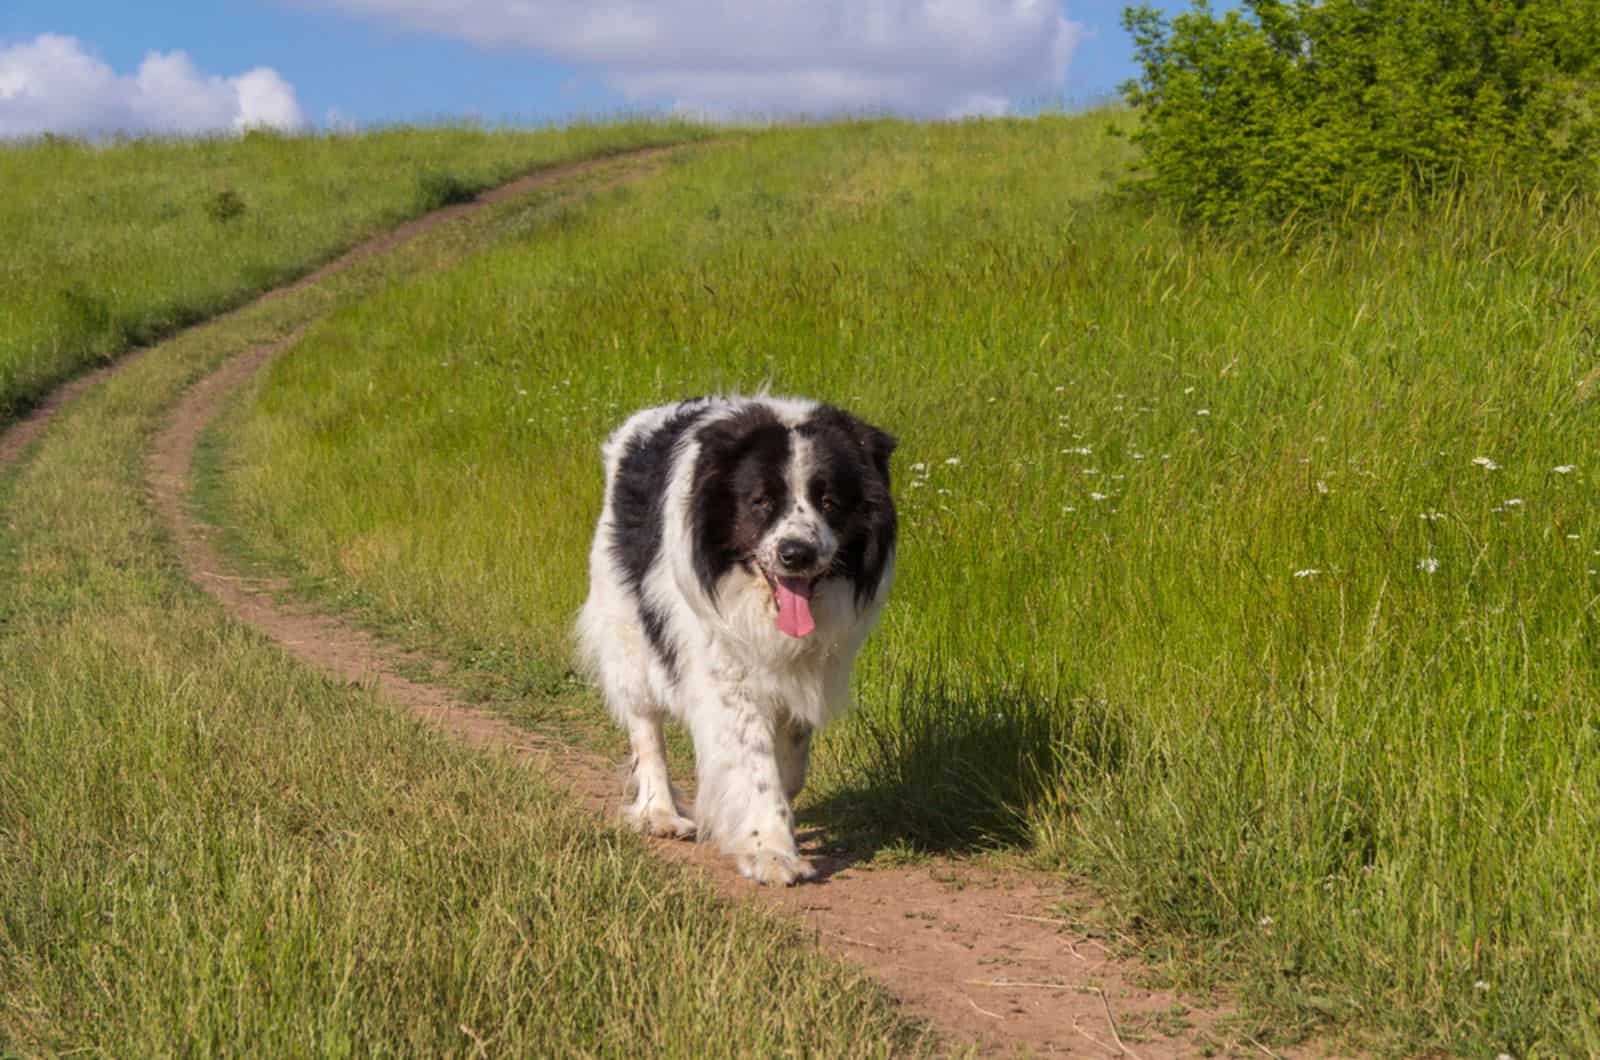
796, 555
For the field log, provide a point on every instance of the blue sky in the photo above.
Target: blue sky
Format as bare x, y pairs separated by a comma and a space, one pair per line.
370, 61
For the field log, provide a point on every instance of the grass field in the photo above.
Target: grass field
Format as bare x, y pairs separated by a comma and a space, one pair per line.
205, 850
1260, 570
109, 245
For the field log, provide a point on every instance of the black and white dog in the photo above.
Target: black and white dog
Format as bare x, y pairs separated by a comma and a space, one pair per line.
744, 551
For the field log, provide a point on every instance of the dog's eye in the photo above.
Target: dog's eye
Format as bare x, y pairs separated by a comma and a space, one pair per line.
761, 502
828, 503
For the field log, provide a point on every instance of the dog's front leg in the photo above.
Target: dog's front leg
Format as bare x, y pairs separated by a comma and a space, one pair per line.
741, 800
794, 752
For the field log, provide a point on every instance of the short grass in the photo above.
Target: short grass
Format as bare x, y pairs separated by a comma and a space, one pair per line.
206, 850
108, 245
1255, 577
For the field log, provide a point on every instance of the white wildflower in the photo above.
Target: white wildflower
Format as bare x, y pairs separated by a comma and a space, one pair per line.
1266, 922
1322, 487
919, 467
1574, 537
1202, 412
1481, 986
1564, 469
1307, 572
1514, 502
1097, 496
1188, 390
1079, 450
1427, 564
1431, 517
953, 460
1485, 463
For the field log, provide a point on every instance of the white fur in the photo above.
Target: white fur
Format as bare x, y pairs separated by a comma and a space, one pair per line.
750, 695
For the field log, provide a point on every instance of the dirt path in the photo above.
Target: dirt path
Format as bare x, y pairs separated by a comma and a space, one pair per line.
21, 434
983, 954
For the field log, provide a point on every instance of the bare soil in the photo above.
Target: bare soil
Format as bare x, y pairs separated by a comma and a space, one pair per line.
21, 434
983, 953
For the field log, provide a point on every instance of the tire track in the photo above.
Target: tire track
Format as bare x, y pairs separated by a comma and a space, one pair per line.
15, 439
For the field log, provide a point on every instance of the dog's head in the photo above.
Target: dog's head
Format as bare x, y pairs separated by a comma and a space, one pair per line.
797, 503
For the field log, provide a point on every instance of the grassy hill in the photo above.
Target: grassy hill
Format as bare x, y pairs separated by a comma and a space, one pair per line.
206, 849
1254, 577
109, 245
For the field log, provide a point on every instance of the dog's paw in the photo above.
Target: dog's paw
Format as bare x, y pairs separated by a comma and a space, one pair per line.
664, 824
774, 866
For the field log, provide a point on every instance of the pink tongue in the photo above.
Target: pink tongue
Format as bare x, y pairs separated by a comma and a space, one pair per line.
794, 607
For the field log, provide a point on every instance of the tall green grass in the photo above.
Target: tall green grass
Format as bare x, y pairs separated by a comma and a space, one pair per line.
207, 850
108, 245
1254, 578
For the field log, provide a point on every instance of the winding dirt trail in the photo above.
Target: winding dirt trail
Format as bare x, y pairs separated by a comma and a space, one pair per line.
983, 954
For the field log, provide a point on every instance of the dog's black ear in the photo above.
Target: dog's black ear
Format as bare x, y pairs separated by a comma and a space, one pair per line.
724, 444
878, 445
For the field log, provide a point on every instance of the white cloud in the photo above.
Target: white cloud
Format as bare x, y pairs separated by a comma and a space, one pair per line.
930, 58
53, 84
981, 106
265, 98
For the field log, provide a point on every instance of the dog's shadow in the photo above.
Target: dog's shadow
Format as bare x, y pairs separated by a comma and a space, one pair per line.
828, 856
937, 771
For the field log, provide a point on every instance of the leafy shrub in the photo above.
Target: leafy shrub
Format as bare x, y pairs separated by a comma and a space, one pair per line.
84, 320
226, 205
1316, 106
437, 188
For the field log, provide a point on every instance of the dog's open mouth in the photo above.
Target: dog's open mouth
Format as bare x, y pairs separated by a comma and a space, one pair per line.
793, 596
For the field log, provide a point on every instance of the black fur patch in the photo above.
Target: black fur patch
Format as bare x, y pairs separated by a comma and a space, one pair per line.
638, 494
850, 486
740, 490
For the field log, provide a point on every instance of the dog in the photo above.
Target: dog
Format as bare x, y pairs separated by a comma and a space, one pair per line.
744, 551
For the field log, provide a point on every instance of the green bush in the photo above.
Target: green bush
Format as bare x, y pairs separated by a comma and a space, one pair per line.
437, 188
226, 205
1320, 106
